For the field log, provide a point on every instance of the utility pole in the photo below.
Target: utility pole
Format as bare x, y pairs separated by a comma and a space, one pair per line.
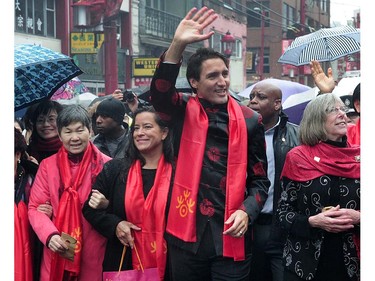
261, 54
110, 55
261, 64
301, 69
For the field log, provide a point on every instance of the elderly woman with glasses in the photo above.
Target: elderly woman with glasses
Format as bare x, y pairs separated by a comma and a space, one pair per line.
320, 201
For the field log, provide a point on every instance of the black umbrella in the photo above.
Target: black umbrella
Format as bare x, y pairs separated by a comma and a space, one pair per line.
38, 73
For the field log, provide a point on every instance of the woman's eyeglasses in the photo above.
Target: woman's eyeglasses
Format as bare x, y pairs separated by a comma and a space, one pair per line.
336, 110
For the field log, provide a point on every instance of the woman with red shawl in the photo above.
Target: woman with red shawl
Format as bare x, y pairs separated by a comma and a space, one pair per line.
137, 189
26, 258
320, 202
65, 179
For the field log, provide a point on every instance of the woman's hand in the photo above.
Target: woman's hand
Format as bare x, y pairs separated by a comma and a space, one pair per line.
56, 244
98, 200
335, 220
46, 209
124, 233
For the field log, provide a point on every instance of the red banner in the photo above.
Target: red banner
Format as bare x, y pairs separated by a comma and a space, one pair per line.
100, 8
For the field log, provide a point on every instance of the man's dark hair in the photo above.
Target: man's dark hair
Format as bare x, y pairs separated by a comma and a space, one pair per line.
357, 95
194, 66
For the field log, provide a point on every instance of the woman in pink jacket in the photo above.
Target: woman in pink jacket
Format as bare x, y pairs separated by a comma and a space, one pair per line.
64, 179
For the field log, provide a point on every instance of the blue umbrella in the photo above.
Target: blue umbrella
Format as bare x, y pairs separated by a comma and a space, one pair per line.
38, 73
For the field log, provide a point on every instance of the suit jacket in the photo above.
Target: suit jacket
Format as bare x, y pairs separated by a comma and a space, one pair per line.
211, 195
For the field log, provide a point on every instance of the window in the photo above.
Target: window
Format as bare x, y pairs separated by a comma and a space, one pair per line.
215, 42
254, 12
37, 17
252, 60
156, 4
237, 51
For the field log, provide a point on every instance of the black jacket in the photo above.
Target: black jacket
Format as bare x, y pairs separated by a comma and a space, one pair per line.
212, 189
284, 139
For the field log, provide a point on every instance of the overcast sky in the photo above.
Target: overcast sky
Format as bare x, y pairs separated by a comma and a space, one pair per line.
342, 10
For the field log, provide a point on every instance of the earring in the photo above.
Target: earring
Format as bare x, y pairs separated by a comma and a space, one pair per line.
19, 161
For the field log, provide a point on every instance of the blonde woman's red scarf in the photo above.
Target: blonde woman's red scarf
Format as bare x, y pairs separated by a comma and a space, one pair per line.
148, 214
182, 213
68, 218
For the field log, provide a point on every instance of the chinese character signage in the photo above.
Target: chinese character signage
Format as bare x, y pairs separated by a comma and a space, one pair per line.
85, 42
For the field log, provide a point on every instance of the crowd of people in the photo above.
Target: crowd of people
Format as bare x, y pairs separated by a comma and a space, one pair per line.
200, 187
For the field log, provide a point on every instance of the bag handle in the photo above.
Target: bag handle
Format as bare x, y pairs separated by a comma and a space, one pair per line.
123, 255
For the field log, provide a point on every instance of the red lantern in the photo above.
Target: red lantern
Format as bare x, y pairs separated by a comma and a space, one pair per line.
227, 44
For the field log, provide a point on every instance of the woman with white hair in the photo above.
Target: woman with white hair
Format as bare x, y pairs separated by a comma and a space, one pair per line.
320, 202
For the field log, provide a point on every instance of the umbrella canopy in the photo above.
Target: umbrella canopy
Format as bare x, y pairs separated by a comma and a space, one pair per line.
287, 87
70, 89
294, 105
84, 99
326, 44
38, 73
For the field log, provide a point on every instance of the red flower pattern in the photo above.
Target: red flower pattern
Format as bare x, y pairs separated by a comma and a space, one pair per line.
258, 169
213, 154
162, 85
206, 208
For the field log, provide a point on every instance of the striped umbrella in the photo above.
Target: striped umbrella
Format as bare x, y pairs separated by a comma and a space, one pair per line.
326, 44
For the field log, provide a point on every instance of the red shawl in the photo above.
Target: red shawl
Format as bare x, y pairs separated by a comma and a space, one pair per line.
182, 213
68, 218
149, 214
305, 162
22, 248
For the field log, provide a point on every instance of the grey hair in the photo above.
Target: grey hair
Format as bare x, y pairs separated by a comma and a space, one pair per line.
312, 127
72, 114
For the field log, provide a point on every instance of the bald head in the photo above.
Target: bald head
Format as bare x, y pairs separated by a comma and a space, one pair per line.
272, 90
265, 98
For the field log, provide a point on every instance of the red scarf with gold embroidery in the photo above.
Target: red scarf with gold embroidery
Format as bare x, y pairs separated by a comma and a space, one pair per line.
68, 218
182, 213
148, 214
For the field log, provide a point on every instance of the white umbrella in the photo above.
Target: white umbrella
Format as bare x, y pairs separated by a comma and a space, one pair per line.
326, 44
300, 98
83, 99
346, 86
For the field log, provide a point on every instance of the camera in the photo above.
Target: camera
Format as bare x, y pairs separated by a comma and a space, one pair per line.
128, 96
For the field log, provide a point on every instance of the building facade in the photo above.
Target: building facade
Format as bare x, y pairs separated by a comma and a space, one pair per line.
118, 42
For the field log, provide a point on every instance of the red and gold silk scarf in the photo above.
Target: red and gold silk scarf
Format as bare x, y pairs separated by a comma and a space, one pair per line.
182, 213
148, 214
68, 218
